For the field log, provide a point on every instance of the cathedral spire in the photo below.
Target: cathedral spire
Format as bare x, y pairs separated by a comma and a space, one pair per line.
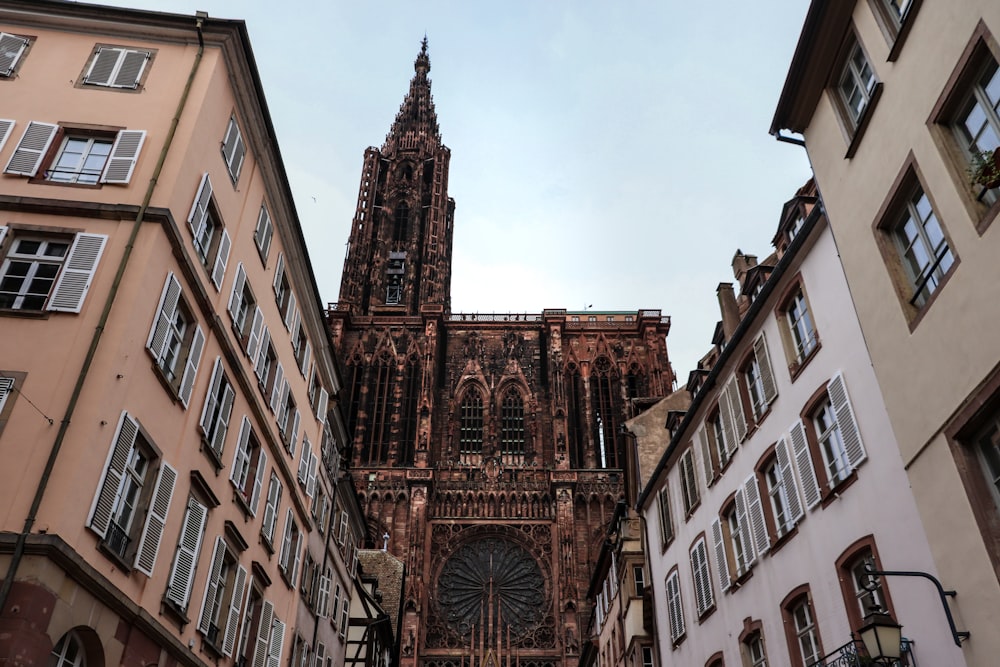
416, 123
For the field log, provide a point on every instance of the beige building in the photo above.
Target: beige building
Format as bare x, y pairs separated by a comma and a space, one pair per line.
894, 101
165, 367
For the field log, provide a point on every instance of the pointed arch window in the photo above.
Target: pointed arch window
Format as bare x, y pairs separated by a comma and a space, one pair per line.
408, 416
380, 389
401, 221
512, 426
605, 398
576, 407
470, 439
355, 373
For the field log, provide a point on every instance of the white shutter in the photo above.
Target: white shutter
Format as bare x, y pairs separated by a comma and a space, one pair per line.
164, 314
795, 510
6, 125
303, 473
295, 329
263, 634
265, 340
755, 511
262, 235
182, 575
236, 296
258, 481
6, 384
278, 272
336, 605
286, 542
199, 207
3, 234
297, 558
241, 455
289, 309
221, 258
766, 372
31, 149
739, 419
191, 365
276, 644
211, 398
130, 69
304, 366
728, 428
676, 609
803, 461
102, 67
124, 154
837, 390
324, 594
279, 378
156, 520
321, 405
114, 469
743, 522
296, 422
311, 478
233, 622
271, 509
77, 273
282, 407
233, 149
212, 585
699, 591
257, 329
706, 457
222, 421
721, 561
11, 48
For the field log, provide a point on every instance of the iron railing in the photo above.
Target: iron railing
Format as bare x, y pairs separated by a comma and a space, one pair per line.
852, 654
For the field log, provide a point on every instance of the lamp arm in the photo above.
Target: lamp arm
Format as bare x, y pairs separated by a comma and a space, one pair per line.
957, 635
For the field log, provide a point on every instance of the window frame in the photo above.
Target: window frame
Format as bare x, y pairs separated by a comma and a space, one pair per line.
895, 26
701, 577
763, 381
853, 122
209, 235
134, 84
690, 493
799, 596
778, 457
862, 548
666, 518
798, 353
16, 59
233, 149
247, 471
675, 607
176, 353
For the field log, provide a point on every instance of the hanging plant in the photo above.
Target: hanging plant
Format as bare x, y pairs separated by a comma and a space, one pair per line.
984, 168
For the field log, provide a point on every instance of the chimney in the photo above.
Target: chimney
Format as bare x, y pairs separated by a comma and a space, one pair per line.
741, 264
730, 311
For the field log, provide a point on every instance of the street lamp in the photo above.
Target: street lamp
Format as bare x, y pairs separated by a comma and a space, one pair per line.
882, 636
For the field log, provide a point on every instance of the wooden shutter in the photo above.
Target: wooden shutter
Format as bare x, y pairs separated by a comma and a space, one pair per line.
324, 594
296, 557
271, 508
242, 453
743, 522
262, 235
755, 512
212, 584
221, 258
666, 525
321, 404
706, 457
199, 207
837, 391
674, 606
102, 67
279, 378
803, 461
257, 329
766, 372
182, 574
114, 469
263, 634
6, 384
295, 329
258, 480
156, 520
278, 272
286, 542
304, 366
336, 605
282, 408
311, 475
77, 273
6, 125
739, 419
164, 314
124, 154
191, 365
236, 296
11, 48
690, 481
296, 422
130, 71
211, 398
303, 472
265, 340
31, 149
701, 597
277, 643
795, 510
290, 309
233, 621
233, 149
721, 560
222, 421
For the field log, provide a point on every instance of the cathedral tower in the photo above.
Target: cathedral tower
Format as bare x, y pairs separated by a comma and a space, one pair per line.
487, 447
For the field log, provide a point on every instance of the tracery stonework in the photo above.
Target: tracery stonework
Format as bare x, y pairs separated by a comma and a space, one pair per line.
487, 447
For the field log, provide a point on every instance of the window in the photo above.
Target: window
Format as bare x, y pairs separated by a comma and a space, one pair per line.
785, 508
733, 548
639, 579
857, 84
283, 294
270, 372
271, 508
336, 605
894, 18
307, 468
666, 520
69, 651
758, 378
263, 232
116, 67
186, 558
211, 240
247, 473
6, 387
133, 498
863, 593
215, 415
689, 483
801, 628
752, 649
248, 320
289, 419
301, 347
233, 149
291, 549
512, 426
797, 330
675, 608
319, 397
647, 656
220, 609
86, 155
176, 340
470, 441
921, 245
263, 635
978, 125
12, 50
702, 579
48, 272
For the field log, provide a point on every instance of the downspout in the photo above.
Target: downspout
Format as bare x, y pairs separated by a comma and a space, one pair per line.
95, 340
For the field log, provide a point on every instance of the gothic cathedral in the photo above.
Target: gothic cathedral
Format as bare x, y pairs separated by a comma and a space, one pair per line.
488, 448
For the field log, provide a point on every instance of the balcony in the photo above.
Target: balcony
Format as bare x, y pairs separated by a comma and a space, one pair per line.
117, 540
852, 654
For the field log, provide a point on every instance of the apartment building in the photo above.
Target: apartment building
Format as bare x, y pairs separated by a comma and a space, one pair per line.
165, 365
896, 103
782, 482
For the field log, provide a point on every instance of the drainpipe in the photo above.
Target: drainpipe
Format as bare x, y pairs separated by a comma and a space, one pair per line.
95, 340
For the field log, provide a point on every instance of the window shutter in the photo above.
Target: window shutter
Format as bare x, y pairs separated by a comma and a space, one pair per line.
720, 555
744, 525
191, 367
156, 520
755, 511
31, 148
766, 373
687, 461
271, 509
3, 234
265, 340
296, 422
286, 542
212, 585
311, 475
124, 154
6, 384
279, 378
103, 66
78, 272
837, 390
262, 235
336, 605
290, 310
222, 422
199, 207
239, 459
182, 575
258, 481
277, 643
219, 270
6, 125
11, 48
233, 149
303, 367
233, 622
130, 71
114, 469
303, 473
702, 577
795, 510
321, 404
256, 328
803, 461
278, 272
674, 605
236, 296
324, 594
263, 634
295, 328
706, 457
739, 419
211, 398
297, 557
699, 592
282, 406
164, 314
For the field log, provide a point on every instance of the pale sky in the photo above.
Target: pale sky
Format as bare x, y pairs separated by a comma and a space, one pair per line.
605, 154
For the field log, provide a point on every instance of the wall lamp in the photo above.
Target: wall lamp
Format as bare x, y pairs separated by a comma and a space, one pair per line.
957, 635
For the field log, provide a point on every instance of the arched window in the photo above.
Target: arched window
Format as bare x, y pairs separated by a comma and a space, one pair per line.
401, 222
512, 426
380, 391
355, 374
68, 652
576, 412
470, 437
408, 416
605, 396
